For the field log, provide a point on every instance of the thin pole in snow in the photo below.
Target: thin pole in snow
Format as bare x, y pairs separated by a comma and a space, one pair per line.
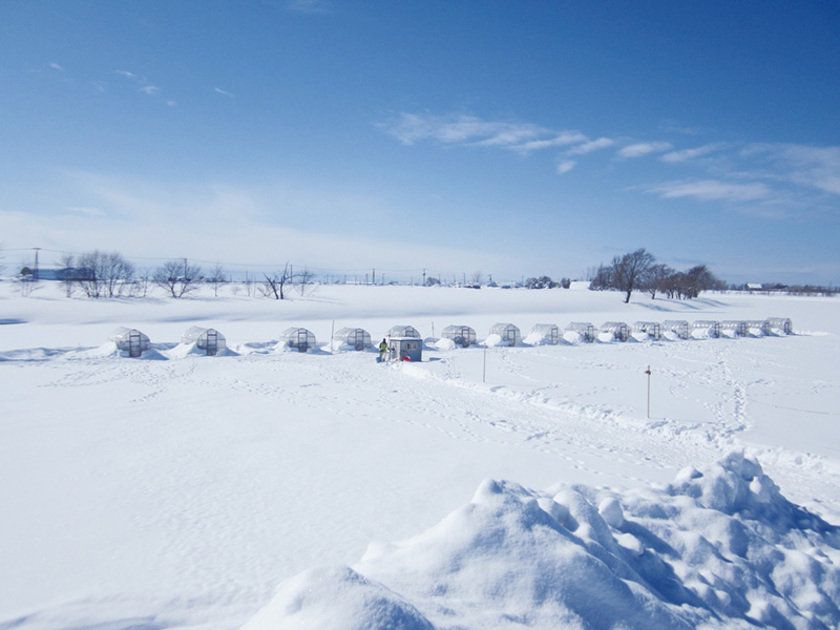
484, 372
647, 371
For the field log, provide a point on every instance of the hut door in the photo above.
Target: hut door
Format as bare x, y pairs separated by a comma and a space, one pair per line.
302, 344
134, 347
212, 343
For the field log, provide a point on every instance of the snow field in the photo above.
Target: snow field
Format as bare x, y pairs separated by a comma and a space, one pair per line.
180, 492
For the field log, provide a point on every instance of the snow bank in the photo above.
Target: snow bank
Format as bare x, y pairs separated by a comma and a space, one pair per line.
444, 345
717, 548
333, 598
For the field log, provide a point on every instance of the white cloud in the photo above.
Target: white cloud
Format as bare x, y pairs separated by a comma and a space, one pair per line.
565, 166
172, 103
126, 74
469, 130
150, 89
589, 147
223, 92
805, 165
563, 139
55, 66
712, 190
644, 148
684, 155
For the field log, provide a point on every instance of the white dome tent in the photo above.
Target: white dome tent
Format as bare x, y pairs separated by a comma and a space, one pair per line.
679, 327
584, 330
404, 331
356, 338
509, 334
131, 341
299, 339
758, 327
651, 329
544, 334
780, 324
209, 340
618, 330
705, 326
735, 328
463, 336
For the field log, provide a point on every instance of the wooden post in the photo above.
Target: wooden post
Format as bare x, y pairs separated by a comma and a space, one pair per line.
647, 371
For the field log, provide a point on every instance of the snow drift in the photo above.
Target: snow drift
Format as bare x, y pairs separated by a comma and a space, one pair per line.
719, 547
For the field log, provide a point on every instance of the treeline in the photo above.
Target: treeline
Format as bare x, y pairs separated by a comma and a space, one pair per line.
109, 275
639, 271
785, 289
545, 282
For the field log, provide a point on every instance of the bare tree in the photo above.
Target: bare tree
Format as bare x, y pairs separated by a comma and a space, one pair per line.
275, 284
629, 270
305, 281
698, 279
178, 277
217, 278
249, 284
25, 281
103, 275
68, 273
601, 278
144, 282
656, 279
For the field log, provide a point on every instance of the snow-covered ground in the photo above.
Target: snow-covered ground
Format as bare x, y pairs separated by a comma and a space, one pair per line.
512, 487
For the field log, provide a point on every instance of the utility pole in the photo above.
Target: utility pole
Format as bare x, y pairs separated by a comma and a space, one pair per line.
35, 273
374, 277
424, 277
647, 371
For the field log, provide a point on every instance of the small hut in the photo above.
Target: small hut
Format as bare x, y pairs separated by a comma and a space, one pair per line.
651, 329
780, 324
210, 340
298, 339
404, 331
679, 327
707, 326
545, 333
131, 340
508, 332
585, 330
356, 338
617, 329
463, 336
405, 349
735, 327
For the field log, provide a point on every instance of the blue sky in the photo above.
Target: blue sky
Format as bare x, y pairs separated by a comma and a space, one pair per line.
507, 138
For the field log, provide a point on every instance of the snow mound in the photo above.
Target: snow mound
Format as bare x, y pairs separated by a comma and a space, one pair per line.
183, 350
492, 340
444, 345
110, 350
337, 599
717, 548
